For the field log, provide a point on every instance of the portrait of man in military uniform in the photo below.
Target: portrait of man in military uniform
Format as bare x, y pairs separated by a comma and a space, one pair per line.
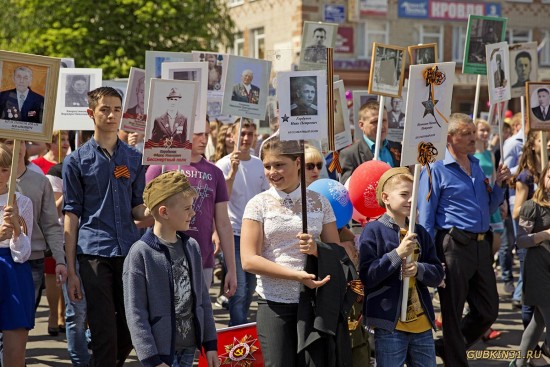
22, 103
245, 91
317, 52
171, 126
304, 96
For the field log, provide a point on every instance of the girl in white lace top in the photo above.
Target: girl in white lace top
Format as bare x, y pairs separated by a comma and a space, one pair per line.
274, 248
16, 286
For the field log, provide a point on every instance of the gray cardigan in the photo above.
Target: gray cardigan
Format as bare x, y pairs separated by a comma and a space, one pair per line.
149, 300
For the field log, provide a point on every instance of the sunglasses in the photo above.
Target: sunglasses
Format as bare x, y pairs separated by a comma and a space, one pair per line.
311, 166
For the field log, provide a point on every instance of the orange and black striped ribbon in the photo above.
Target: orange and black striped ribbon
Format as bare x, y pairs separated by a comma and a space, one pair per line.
23, 225
122, 171
335, 164
426, 155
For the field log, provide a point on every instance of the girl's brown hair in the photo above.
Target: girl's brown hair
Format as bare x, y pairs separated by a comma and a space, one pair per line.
528, 159
289, 148
5, 156
541, 194
221, 150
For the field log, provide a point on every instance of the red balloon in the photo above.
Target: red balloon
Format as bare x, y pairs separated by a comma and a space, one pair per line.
362, 187
356, 216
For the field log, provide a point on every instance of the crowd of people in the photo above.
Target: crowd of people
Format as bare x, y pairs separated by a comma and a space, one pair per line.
127, 253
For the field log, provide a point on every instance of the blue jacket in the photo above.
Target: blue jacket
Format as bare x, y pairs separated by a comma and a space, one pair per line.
149, 299
379, 269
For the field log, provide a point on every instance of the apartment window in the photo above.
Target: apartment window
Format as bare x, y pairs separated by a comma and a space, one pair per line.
373, 32
459, 40
545, 52
258, 43
238, 45
432, 34
519, 36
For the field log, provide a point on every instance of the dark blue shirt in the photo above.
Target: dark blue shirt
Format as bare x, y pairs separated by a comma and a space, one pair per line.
457, 199
102, 202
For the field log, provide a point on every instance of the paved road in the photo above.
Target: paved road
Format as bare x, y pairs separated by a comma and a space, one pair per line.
44, 350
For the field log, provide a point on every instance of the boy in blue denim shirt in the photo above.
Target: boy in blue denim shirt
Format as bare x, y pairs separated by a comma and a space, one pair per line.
384, 246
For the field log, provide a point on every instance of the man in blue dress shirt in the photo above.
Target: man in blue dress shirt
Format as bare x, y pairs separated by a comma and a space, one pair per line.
457, 216
103, 192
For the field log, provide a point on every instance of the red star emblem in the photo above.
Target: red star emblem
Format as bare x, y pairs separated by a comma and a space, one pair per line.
240, 352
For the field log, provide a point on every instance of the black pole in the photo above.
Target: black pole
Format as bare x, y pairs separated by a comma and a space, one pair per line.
303, 186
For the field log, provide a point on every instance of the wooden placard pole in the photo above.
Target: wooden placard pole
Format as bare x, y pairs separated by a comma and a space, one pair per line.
412, 222
13, 170
378, 142
543, 150
476, 100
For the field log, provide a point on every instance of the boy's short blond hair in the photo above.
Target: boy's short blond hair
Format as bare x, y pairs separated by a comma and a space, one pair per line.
162, 189
389, 179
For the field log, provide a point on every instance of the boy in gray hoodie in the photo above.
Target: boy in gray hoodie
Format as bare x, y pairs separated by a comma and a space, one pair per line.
165, 297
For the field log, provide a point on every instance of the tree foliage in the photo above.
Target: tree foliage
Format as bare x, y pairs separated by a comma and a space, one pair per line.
112, 35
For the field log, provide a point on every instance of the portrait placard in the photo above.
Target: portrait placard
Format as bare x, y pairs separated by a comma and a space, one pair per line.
429, 99
120, 85
170, 120
246, 87
316, 38
28, 89
538, 105
482, 30
197, 72
498, 72
72, 98
217, 70
342, 128
153, 65
134, 116
302, 99
67, 62
396, 107
387, 70
524, 62
360, 97
423, 54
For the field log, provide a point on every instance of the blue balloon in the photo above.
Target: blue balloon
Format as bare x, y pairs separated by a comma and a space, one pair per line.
338, 197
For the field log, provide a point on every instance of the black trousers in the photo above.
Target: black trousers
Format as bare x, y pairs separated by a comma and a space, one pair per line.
102, 280
276, 324
470, 277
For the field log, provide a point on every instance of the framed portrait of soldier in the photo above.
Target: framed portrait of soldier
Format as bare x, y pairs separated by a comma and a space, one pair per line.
134, 116
170, 120
360, 97
387, 70
481, 31
246, 87
153, 64
396, 107
342, 126
72, 98
523, 63
316, 38
538, 105
423, 54
498, 72
302, 99
197, 72
217, 70
28, 89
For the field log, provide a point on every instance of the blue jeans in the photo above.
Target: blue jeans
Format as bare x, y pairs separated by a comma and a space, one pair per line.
519, 285
239, 304
76, 327
392, 348
184, 358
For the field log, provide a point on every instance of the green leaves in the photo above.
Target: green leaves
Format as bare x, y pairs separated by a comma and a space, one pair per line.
112, 35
